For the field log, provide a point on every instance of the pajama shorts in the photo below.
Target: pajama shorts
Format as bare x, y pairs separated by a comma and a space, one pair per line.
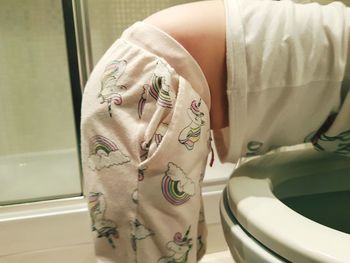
145, 132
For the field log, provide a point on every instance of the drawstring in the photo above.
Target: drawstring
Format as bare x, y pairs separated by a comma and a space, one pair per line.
212, 153
212, 156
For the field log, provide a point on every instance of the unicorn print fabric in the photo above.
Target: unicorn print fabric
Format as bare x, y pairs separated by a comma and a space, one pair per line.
145, 143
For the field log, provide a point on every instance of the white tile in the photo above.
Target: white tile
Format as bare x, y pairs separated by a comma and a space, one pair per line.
211, 201
74, 254
222, 257
35, 228
216, 239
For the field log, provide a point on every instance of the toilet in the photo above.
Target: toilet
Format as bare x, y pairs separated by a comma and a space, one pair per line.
289, 206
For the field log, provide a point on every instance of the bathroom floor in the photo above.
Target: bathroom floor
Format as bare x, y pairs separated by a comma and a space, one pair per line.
222, 257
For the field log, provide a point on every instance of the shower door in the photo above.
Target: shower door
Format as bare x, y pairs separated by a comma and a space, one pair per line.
47, 50
38, 128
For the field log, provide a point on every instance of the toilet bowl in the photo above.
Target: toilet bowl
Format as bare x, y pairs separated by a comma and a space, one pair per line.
291, 206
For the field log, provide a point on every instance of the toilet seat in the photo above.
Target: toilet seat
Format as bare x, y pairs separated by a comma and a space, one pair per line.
251, 196
244, 247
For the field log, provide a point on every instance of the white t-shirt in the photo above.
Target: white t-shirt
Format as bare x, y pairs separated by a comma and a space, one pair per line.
286, 64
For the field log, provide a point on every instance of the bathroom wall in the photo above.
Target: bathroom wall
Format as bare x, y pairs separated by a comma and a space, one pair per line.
108, 19
35, 100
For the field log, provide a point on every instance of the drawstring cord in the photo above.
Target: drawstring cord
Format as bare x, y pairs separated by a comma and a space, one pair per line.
212, 152
212, 156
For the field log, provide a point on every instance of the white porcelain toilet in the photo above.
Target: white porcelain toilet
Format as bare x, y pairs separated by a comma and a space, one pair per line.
291, 206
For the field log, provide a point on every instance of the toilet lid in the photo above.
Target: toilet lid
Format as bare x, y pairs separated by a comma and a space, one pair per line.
250, 194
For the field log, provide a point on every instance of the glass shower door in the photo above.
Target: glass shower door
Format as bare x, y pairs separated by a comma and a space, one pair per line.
38, 143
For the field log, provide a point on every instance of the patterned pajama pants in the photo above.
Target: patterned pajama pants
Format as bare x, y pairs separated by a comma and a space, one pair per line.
145, 142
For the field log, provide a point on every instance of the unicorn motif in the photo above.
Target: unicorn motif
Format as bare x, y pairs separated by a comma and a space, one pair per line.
339, 143
200, 243
110, 89
138, 232
159, 88
191, 133
180, 247
104, 227
253, 148
142, 101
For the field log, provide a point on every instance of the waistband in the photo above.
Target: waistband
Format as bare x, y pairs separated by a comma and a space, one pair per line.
158, 42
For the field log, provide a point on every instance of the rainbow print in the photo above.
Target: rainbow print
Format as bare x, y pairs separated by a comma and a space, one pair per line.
157, 91
104, 153
171, 192
99, 142
177, 188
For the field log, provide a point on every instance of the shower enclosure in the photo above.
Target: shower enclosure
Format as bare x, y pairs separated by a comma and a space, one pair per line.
40, 175
38, 129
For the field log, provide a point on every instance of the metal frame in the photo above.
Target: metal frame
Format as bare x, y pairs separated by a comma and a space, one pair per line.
79, 58
83, 39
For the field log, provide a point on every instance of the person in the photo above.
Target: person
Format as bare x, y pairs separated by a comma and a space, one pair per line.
258, 74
